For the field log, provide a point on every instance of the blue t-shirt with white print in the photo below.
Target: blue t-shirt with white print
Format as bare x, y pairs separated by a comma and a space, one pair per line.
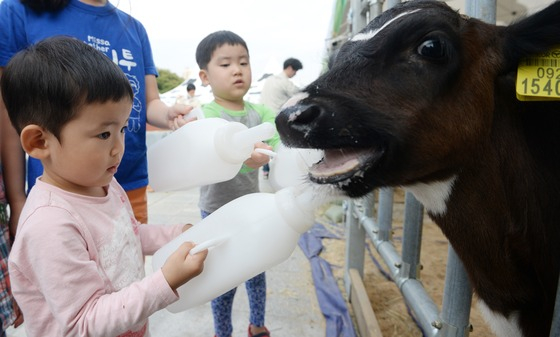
118, 35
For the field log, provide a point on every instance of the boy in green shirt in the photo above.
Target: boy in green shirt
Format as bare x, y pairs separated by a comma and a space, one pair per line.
223, 59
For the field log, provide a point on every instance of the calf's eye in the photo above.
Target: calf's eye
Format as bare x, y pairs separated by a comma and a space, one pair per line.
433, 49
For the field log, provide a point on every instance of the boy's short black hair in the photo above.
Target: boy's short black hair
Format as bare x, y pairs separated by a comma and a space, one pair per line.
190, 87
45, 5
47, 83
294, 63
212, 42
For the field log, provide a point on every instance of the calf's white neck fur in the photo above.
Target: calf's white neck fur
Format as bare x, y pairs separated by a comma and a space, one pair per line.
500, 325
433, 196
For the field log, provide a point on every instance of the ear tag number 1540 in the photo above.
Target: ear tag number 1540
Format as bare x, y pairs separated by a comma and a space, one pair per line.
538, 77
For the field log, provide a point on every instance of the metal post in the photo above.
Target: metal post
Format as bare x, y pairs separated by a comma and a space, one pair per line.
457, 297
555, 329
385, 214
412, 237
359, 20
375, 8
368, 204
355, 245
391, 3
482, 9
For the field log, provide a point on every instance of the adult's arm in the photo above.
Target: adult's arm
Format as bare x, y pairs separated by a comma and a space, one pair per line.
160, 114
13, 164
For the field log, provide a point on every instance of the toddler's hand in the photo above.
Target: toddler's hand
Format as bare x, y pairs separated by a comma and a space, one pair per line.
181, 266
258, 159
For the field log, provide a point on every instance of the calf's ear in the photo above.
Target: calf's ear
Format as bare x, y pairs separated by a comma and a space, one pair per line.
532, 35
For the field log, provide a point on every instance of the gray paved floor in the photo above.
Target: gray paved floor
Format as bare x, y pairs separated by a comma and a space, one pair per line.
292, 307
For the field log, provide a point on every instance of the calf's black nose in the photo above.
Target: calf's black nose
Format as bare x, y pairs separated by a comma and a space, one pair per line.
295, 122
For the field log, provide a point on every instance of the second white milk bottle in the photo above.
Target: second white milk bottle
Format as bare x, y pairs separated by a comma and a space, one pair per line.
246, 237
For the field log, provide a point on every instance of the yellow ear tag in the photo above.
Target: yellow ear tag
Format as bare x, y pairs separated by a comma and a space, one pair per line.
538, 77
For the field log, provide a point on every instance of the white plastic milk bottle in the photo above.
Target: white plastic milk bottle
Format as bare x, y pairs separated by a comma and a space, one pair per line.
202, 152
245, 237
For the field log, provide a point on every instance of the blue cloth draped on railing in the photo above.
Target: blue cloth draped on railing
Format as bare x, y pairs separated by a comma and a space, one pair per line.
332, 304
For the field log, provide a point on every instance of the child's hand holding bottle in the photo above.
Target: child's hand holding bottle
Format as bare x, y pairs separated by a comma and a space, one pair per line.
257, 158
181, 266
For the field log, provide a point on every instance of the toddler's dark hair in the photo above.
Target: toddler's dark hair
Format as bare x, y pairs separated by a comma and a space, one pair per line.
212, 42
47, 83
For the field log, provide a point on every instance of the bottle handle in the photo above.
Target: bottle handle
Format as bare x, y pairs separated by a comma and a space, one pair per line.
208, 244
267, 152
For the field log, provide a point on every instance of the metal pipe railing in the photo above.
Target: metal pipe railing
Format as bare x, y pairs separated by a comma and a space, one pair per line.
404, 269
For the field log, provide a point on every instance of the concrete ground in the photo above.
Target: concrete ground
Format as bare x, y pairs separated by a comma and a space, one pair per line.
292, 307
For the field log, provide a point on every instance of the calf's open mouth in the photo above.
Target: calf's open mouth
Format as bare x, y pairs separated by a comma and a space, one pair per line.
339, 165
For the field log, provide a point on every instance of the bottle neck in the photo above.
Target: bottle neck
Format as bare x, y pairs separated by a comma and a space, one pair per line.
297, 204
233, 153
235, 142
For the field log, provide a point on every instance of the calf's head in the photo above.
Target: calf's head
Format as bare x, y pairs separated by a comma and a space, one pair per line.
412, 97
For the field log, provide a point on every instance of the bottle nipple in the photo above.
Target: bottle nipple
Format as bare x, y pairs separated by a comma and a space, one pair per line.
235, 142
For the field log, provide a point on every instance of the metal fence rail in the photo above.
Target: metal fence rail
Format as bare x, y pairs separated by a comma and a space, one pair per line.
453, 320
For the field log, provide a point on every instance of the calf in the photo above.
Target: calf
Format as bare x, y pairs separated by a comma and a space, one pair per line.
425, 98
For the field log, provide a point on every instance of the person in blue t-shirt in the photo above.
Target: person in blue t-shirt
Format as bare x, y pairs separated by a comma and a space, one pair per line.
125, 41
